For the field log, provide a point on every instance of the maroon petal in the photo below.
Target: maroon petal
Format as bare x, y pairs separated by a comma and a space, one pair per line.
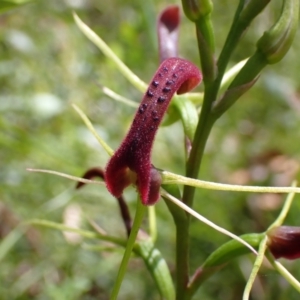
131, 162
167, 31
284, 241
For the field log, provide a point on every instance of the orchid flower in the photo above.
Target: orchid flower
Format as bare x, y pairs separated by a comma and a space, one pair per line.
131, 163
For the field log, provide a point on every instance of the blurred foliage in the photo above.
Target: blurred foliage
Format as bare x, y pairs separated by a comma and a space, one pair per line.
45, 65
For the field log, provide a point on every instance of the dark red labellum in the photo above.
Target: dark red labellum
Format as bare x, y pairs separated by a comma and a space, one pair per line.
131, 163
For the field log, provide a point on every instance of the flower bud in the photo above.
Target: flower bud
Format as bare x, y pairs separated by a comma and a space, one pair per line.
275, 42
195, 9
167, 32
284, 241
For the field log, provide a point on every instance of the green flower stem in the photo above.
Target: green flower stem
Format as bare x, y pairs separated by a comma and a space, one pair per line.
283, 271
201, 135
83, 233
140, 211
172, 178
257, 264
244, 15
192, 170
206, 45
286, 207
182, 243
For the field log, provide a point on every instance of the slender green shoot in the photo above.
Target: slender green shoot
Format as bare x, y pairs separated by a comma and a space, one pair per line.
171, 178
284, 272
206, 221
95, 39
84, 233
90, 126
285, 209
140, 211
117, 97
256, 266
78, 179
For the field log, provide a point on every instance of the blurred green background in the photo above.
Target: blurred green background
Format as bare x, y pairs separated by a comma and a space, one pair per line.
46, 64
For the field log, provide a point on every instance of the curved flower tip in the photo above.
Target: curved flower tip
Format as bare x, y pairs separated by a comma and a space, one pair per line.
284, 241
131, 162
89, 174
167, 31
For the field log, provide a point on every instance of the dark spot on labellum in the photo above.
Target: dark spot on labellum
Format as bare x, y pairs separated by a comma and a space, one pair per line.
154, 113
181, 69
141, 110
161, 99
155, 118
155, 83
175, 75
149, 93
145, 105
166, 89
165, 69
160, 75
169, 82
152, 128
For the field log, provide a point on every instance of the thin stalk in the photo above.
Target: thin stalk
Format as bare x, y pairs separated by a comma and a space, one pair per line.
192, 169
256, 267
201, 135
284, 272
202, 132
140, 211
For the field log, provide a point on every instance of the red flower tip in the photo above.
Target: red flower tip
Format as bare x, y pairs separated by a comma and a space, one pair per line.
284, 241
167, 30
131, 163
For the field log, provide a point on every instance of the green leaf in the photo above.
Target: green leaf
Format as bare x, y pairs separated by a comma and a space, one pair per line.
157, 267
220, 257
